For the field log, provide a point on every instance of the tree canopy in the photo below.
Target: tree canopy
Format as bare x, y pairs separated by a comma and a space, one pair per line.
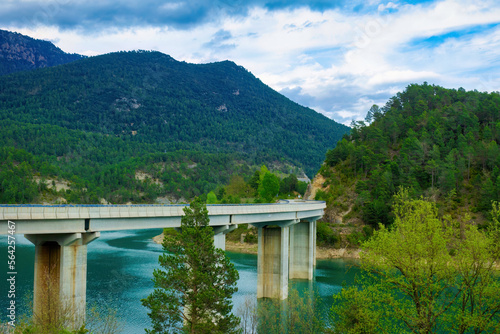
424, 275
263, 186
194, 286
438, 142
98, 122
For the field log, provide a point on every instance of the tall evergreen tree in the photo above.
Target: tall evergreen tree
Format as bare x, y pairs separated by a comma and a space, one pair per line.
194, 287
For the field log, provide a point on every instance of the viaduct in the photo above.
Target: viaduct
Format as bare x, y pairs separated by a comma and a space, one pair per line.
61, 233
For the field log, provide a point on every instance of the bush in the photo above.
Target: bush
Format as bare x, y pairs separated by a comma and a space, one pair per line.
170, 231
376, 212
368, 231
300, 315
320, 195
325, 235
250, 238
355, 238
302, 187
341, 205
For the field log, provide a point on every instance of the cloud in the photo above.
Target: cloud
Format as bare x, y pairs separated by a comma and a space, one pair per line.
389, 7
97, 15
94, 16
220, 41
337, 57
296, 94
403, 76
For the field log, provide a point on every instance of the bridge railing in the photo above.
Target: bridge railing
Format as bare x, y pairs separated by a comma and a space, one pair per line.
89, 211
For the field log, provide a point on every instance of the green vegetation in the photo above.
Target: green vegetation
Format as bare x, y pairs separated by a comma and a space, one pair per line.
440, 143
325, 235
58, 317
296, 314
28, 178
424, 275
262, 187
194, 287
97, 323
138, 126
269, 187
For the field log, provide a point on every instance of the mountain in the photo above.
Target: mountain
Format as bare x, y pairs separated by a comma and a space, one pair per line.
440, 143
23, 53
104, 121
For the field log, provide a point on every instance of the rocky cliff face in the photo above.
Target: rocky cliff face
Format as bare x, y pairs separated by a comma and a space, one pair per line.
314, 186
23, 53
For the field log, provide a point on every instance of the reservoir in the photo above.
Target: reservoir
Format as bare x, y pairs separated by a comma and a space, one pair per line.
120, 268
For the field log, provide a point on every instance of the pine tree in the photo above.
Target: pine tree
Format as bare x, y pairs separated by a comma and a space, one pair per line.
194, 287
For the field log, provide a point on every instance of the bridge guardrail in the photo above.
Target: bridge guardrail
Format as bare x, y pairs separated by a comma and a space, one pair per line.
89, 211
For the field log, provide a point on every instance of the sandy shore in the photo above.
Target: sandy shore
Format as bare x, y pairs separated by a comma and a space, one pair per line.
158, 239
321, 253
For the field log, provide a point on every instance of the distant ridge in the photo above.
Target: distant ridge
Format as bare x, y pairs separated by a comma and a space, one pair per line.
142, 127
22, 53
150, 97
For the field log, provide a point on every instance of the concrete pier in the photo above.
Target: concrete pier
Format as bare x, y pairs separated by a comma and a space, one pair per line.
272, 260
60, 284
220, 235
302, 250
314, 226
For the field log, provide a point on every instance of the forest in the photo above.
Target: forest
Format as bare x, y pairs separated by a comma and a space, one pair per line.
138, 126
440, 143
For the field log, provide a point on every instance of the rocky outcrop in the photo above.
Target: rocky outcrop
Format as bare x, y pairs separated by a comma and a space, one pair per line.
314, 186
22, 53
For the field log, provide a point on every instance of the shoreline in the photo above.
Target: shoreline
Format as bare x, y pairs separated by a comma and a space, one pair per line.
322, 253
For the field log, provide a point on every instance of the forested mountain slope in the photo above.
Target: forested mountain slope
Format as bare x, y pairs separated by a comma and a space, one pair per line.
440, 143
132, 126
23, 53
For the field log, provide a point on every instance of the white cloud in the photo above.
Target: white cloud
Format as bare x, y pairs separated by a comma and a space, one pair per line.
172, 6
396, 76
338, 62
390, 5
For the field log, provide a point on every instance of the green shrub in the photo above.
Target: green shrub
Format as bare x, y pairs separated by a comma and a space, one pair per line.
355, 238
368, 231
325, 235
376, 212
250, 238
321, 195
169, 232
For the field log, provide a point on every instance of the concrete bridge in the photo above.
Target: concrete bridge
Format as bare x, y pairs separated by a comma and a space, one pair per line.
61, 233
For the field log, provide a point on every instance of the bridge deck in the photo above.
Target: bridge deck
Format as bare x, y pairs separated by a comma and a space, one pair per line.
37, 218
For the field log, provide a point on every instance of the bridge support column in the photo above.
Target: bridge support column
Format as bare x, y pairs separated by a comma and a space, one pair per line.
272, 261
220, 235
220, 241
302, 250
315, 231
60, 282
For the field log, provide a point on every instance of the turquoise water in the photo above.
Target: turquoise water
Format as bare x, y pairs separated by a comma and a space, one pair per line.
120, 267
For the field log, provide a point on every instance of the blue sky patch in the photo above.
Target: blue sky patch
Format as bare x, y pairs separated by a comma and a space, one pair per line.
435, 41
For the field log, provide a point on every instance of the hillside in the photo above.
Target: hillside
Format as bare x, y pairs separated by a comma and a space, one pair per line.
99, 122
23, 53
441, 143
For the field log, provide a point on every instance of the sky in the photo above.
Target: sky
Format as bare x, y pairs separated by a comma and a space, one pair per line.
337, 57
